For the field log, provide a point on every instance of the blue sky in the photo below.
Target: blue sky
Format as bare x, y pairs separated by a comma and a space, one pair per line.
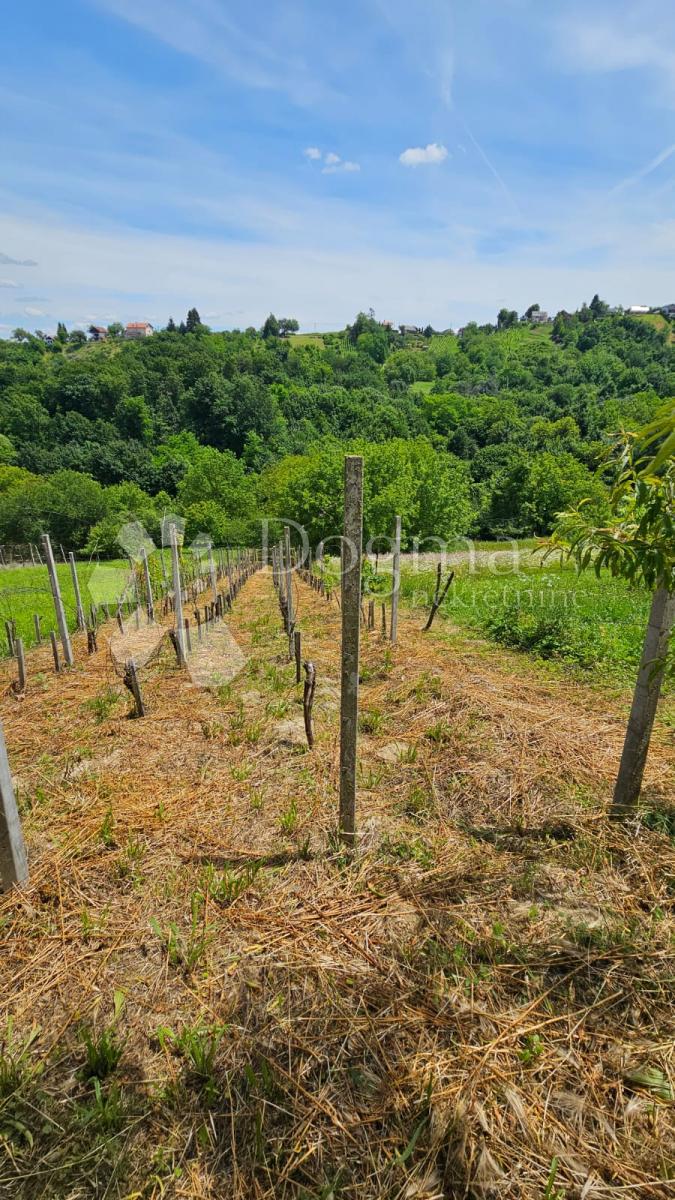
462, 156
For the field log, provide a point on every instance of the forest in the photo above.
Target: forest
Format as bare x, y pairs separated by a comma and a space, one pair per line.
486, 433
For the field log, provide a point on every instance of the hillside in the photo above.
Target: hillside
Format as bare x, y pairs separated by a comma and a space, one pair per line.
225, 428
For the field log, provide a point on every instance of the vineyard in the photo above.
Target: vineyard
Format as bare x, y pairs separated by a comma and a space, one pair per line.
208, 994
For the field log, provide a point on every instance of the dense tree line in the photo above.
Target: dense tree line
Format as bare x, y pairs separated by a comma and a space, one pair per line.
490, 432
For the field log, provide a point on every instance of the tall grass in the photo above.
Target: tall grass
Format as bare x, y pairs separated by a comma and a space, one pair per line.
548, 610
25, 591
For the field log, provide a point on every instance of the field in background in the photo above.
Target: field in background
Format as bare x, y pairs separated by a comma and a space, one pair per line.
595, 624
25, 591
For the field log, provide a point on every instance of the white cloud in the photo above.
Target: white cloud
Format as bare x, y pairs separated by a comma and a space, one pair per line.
8, 283
334, 164
418, 156
34, 312
312, 152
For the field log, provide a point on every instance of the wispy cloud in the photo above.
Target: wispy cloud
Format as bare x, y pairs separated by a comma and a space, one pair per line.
8, 261
652, 165
206, 30
332, 162
420, 156
8, 283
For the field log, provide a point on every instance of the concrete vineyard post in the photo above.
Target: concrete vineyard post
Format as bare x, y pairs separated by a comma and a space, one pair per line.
13, 865
81, 621
645, 701
297, 647
214, 580
178, 597
148, 586
396, 580
58, 602
289, 581
20, 663
38, 629
351, 628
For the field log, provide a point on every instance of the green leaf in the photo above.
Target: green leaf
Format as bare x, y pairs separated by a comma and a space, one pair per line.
653, 1079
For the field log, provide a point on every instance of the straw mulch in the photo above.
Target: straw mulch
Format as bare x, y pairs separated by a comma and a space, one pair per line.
478, 1004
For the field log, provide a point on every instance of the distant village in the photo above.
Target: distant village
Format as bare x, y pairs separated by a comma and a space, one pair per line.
135, 330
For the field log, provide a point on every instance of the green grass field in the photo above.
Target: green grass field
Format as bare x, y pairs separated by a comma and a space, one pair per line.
25, 591
595, 625
307, 339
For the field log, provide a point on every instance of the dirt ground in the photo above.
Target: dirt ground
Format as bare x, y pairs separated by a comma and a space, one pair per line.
204, 996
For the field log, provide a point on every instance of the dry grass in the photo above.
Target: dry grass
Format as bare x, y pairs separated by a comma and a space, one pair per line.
459, 1010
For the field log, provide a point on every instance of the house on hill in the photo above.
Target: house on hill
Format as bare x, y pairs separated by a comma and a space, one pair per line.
638, 310
668, 310
409, 329
98, 333
538, 317
138, 329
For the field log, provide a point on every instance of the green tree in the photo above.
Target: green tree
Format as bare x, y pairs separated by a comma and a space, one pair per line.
192, 321
133, 418
637, 544
271, 328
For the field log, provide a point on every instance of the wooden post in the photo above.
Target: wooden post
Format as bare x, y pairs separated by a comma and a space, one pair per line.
13, 865
645, 701
297, 639
351, 627
58, 602
396, 579
81, 622
55, 651
371, 614
131, 682
148, 586
188, 639
178, 598
21, 664
384, 620
439, 597
308, 701
9, 630
38, 630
